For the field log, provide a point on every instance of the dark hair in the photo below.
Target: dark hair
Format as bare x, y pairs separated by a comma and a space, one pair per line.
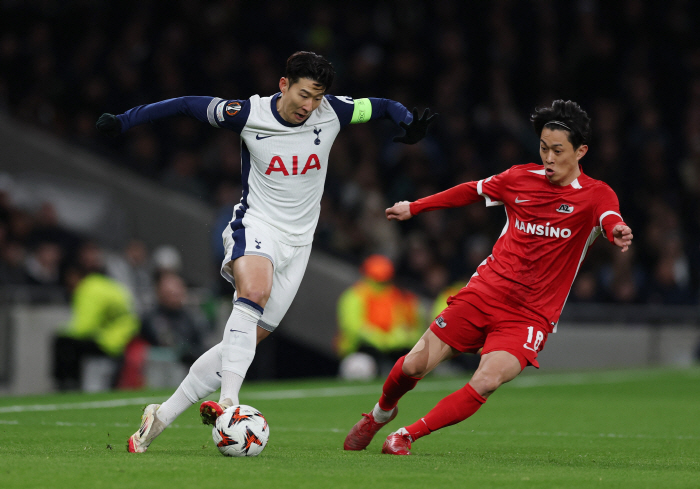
305, 64
564, 116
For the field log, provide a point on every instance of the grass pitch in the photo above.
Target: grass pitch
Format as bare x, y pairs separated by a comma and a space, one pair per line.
632, 428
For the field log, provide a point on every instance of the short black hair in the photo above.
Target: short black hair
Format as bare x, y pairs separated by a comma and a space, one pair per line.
565, 116
305, 64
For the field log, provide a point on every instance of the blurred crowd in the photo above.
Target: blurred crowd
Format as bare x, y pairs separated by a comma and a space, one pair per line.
634, 65
129, 300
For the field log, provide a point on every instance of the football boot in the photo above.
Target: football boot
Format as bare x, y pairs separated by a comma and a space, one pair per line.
362, 433
210, 410
398, 443
150, 428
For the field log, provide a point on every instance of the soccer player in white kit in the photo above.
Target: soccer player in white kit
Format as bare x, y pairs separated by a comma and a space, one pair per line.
285, 142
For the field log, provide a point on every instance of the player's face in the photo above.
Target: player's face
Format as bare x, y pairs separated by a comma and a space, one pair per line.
559, 157
299, 100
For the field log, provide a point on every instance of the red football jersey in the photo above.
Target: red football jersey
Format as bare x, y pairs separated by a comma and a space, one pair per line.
548, 231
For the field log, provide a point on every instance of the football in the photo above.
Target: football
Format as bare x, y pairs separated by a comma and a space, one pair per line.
241, 431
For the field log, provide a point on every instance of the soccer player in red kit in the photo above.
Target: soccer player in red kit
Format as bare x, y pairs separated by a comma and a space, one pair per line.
514, 299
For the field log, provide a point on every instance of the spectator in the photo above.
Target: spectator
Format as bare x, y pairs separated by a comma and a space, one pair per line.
133, 269
102, 324
47, 228
167, 258
43, 264
12, 256
585, 288
671, 279
377, 318
171, 324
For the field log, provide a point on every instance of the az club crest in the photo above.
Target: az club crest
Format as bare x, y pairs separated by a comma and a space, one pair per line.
440, 322
566, 208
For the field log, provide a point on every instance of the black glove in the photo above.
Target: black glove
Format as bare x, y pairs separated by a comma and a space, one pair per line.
417, 129
109, 124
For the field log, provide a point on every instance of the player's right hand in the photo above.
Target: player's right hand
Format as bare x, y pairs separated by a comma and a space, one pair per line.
401, 211
109, 124
622, 236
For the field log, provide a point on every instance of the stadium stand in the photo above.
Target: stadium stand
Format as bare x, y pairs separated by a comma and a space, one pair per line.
635, 66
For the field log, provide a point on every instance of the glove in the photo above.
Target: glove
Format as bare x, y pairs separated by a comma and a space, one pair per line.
109, 124
417, 129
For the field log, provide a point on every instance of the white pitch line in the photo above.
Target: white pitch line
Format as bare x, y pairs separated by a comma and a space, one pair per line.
528, 381
78, 405
562, 434
453, 432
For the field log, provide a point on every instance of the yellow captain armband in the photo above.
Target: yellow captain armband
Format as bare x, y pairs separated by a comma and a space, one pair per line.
362, 112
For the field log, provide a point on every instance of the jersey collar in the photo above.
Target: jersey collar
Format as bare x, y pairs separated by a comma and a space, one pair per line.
273, 108
575, 184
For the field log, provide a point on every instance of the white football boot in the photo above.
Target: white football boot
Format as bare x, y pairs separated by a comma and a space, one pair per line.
150, 428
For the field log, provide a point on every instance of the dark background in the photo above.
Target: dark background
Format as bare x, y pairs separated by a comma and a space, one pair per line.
633, 65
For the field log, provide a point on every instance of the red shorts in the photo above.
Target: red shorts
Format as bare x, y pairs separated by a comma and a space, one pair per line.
472, 320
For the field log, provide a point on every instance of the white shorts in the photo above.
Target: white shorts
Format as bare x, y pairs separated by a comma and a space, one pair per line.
288, 262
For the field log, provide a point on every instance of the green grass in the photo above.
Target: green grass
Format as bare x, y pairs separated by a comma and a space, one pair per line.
633, 429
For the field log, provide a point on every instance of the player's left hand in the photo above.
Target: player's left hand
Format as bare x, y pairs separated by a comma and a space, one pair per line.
109, 124
622, 235
401, 211
417, 129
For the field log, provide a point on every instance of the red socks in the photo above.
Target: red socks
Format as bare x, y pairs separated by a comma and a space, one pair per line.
395, 386
452, 409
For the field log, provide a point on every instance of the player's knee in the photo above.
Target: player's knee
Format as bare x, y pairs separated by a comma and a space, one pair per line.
486, 383
256, 295
415, 365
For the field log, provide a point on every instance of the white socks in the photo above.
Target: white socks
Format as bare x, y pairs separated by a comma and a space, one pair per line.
230, 387
174, 406
202, 380
207, 373
238, 346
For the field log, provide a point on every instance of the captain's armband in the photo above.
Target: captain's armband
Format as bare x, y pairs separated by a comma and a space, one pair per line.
362, 111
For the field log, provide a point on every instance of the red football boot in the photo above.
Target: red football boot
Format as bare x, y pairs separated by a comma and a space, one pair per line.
362, 433
398, 443
210, 410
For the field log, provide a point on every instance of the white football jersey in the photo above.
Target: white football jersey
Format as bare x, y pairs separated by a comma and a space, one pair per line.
284, 165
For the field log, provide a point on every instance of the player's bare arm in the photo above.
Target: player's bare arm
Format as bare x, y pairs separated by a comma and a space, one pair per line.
401, 211
622, 236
